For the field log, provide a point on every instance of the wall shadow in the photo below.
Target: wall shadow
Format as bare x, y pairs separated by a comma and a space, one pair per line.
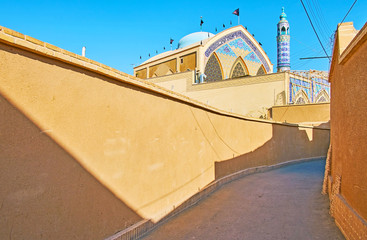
287, 143
45, 193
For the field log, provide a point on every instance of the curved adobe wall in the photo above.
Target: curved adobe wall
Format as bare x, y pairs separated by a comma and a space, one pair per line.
142, 152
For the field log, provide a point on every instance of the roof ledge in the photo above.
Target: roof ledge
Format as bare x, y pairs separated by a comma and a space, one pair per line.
350, 39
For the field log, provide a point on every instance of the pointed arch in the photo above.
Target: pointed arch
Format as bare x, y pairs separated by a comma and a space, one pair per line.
248, 42
301, 97
261, 70
283, 30
239, 68
323, 96
213, 69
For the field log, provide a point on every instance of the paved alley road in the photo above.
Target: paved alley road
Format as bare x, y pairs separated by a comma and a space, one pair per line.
285, 203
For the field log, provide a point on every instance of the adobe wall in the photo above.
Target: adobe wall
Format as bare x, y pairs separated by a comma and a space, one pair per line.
308, 113
89, 149
45, 193
348, 191
241, 95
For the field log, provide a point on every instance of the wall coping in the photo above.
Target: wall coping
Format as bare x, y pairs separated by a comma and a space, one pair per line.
301, 105
19, 40
355, 43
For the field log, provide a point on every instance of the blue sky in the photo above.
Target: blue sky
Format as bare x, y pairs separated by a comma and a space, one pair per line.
117, 33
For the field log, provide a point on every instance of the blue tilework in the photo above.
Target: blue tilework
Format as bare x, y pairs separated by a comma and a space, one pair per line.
229, 37
252, 57
297, 85
239, 43
226, 49
312, 89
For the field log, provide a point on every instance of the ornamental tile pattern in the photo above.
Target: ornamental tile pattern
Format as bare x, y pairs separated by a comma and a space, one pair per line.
316, 89
232, 39
260, 71
238, 71
228, 53
226, 50
212, 70
252, 67
227, 61
241, 52
253, 58
239, 43
296, 86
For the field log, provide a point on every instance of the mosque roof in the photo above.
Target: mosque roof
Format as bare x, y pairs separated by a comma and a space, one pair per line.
193, 38
185, 42
207, 40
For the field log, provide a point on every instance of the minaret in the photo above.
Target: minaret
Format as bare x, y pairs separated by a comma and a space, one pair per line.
283, 44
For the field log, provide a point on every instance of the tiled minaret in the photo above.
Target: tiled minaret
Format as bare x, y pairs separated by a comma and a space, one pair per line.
283, 44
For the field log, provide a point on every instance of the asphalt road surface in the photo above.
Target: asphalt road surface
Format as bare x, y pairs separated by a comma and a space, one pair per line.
284, 203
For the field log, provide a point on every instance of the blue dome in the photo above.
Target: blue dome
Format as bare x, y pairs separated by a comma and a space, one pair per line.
193, 38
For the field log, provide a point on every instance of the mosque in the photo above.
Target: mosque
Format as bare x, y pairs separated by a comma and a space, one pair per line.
231, 71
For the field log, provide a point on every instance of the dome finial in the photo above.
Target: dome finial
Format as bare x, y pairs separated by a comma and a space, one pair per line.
283, 16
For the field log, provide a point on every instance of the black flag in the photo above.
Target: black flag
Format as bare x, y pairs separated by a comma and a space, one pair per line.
171, 41
140, 57
224, 25
164, 48
201, 22
230, 22
236, 12
216, 30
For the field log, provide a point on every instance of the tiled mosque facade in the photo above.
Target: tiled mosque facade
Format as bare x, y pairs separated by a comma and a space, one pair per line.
237, 56
234, 54
309, 89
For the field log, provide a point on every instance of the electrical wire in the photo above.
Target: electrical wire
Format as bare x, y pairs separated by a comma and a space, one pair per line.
317, 20
348, 11
315, 30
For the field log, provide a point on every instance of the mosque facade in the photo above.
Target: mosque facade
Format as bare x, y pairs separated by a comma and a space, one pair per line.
229, 54
231, 58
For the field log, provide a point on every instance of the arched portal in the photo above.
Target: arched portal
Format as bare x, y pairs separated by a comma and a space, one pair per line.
301, 98
213, 69
261, 70
239, 69
322, 97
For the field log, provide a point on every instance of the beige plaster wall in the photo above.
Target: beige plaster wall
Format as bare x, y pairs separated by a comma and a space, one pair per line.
45, 193
248, 96
188, 62
308, 113
162, 69
349, 130
241, 96
178, 82
251, 100
138, 150
141, 73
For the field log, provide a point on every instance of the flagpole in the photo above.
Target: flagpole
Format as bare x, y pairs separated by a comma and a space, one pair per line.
238, 19
201, 24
